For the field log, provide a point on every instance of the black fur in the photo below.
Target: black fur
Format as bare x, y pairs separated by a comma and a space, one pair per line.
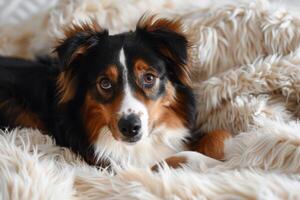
29, 85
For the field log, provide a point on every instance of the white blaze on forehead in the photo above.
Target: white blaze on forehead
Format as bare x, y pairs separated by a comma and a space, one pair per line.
123, 61
130, 104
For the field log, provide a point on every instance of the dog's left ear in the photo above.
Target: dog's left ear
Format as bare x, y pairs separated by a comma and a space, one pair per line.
167, 38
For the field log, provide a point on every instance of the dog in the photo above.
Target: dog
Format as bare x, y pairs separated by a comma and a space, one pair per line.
124, 98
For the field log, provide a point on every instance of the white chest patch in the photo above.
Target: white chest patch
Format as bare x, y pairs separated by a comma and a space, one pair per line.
160, 144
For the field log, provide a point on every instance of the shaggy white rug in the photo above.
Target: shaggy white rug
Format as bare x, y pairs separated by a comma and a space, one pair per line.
246, 69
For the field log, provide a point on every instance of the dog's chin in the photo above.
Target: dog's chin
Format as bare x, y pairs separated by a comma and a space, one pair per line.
132, 140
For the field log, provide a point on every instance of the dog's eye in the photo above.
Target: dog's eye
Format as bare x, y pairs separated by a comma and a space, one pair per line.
149, 79
105, 84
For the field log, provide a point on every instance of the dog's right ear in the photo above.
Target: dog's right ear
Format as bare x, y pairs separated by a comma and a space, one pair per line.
78, 39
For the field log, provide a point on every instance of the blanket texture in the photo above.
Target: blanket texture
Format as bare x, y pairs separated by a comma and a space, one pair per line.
246, 72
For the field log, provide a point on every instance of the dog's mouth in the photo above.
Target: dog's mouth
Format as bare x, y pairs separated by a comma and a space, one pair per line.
132, 140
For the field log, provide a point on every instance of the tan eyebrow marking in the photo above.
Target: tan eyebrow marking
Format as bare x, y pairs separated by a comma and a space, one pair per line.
66, 82
141, 66
112, 72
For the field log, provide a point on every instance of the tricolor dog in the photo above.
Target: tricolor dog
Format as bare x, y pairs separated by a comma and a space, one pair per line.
125, 98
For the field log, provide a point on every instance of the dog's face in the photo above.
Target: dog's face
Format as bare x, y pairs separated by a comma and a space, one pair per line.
131, 82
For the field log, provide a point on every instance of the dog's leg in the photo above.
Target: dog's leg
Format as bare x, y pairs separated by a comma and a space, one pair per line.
191, 159
211, 145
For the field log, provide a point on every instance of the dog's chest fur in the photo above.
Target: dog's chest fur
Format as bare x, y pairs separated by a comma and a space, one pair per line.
162, 143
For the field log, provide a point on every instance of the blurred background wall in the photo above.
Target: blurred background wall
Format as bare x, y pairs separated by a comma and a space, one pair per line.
14, 11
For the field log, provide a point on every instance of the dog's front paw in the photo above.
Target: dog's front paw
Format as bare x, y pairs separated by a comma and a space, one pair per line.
173, 162
190, 159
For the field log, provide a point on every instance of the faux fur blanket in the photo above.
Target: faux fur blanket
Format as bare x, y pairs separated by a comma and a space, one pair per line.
246, 70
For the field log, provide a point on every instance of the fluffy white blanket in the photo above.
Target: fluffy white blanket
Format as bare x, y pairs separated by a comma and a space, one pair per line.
246, 68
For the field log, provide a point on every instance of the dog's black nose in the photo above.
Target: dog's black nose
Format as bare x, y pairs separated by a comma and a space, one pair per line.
130, 125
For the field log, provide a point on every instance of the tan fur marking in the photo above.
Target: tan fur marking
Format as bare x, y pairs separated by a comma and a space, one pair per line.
152, 24
212, 144
96, 115
18, 116
161, 111
140, 65
66, 86
168, 111
78, 52
30, 120
173, 162
170, 97
172, 120
112, 72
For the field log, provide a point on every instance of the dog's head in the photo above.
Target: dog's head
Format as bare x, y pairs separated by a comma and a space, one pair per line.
131, 82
